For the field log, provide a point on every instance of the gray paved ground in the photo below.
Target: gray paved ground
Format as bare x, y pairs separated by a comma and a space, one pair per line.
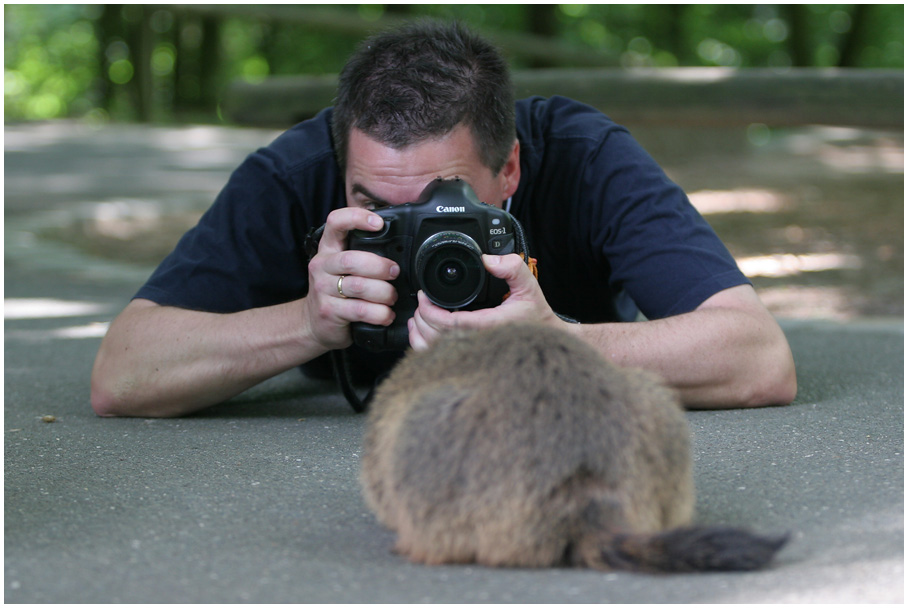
257, 499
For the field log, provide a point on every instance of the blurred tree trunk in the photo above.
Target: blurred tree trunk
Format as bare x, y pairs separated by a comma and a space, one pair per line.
108, 27
798, 35
675, 36
398, 9
541, 20
209, 60
185, 67
139, 39
853, 40
198, 61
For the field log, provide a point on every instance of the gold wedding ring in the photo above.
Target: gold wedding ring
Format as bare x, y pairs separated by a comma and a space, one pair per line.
340, 286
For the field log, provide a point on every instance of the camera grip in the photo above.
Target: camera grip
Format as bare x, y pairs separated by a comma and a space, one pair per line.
379, 338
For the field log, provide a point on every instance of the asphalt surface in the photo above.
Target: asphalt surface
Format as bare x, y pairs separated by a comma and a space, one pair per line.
257, 500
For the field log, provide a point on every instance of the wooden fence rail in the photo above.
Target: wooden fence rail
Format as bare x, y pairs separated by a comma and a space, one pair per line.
669, 96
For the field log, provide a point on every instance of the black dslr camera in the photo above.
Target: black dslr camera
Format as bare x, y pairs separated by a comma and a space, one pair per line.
438, 242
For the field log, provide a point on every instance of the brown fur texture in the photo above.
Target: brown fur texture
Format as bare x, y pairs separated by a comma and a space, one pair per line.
521, 446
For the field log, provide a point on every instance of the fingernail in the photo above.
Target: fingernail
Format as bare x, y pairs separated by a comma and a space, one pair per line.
492, 260
394, 272
375, 220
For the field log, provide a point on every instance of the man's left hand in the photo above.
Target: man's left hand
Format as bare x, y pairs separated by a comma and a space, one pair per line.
525, 303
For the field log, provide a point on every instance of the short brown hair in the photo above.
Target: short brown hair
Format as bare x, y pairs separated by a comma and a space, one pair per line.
420, 81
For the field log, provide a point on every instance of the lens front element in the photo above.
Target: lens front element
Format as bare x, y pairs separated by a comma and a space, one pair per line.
449, 269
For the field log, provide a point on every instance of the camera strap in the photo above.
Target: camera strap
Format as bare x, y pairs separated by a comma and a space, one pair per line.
340, 361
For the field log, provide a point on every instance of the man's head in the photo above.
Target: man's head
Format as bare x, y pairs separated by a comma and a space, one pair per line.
421, 81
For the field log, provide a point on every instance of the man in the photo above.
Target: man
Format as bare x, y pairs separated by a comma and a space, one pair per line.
238, 301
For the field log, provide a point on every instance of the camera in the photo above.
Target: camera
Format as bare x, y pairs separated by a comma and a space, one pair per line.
438, 242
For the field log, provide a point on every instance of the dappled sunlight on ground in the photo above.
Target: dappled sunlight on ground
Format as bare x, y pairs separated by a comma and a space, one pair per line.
794, 302
73, 311
73, 332
851, 150
140, 231
789, 264
740, 200
47, 308
815, 218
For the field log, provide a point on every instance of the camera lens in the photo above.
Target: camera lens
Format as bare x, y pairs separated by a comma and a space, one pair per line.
449, 269
451, 273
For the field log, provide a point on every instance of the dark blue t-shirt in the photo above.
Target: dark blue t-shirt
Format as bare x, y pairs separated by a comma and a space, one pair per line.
607, 226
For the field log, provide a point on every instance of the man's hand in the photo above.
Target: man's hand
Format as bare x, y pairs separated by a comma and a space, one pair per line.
367, 296
729, 352
525, 303
167, 361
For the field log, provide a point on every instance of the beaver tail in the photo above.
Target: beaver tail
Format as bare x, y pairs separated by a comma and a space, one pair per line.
696, 549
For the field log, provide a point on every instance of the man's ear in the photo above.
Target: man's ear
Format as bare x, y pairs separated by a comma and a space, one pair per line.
510, 173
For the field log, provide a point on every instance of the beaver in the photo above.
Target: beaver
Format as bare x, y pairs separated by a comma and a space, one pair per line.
521, 446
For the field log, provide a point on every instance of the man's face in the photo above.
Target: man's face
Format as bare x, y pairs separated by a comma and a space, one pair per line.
378, 175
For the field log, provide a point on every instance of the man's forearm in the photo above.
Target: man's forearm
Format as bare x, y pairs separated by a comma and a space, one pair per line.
165, 361
729, 352
717, 356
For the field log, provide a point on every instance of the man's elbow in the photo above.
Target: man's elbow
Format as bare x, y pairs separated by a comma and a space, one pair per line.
103, 402
106, 402
766, 373
777, 385
765, 380
107, 398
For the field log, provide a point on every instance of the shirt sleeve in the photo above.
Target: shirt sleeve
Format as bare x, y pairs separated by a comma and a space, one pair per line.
644, 229
243, 253
247, 251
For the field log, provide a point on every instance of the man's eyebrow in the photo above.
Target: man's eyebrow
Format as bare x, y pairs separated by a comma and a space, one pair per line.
360, 189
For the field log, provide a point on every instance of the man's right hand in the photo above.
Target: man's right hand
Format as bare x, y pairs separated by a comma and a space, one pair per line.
167, 361
367, 295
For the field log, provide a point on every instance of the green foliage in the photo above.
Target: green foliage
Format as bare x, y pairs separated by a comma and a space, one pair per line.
89, 60
736, 35
50, 55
